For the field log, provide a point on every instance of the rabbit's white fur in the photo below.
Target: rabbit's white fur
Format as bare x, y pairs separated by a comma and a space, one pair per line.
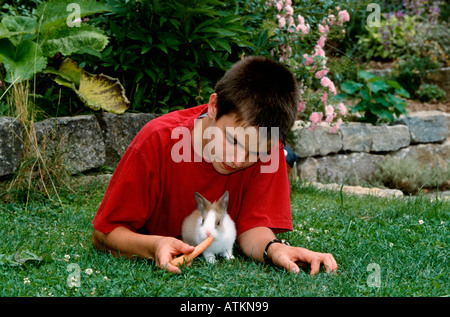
210, 220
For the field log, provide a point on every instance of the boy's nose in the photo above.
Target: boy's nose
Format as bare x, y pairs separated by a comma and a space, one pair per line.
239, 158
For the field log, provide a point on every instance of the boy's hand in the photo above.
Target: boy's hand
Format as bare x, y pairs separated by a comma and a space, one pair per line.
166, 249
286, 256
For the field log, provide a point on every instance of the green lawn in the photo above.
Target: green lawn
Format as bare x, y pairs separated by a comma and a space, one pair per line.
407, 239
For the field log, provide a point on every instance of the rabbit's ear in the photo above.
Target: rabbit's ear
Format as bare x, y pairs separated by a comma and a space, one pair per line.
223, 202
201, 203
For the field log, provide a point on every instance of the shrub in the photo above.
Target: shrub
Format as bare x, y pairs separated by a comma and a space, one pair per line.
413, 71
377, 99
168, 53
388, 41
410, 176
429, 92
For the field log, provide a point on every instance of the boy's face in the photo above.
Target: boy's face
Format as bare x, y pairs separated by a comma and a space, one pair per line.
230, 146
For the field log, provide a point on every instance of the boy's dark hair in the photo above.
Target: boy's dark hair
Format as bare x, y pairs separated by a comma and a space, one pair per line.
260, 92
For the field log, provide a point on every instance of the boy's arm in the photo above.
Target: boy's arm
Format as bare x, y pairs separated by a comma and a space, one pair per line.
124, 242
253, 243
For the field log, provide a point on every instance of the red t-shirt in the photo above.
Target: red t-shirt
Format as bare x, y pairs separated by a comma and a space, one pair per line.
151, 193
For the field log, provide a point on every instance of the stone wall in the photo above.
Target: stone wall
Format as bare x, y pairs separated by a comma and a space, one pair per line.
357, 149
353, 153
86, 142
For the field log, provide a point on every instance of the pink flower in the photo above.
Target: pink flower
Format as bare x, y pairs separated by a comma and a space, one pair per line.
321, 41
324, 97
326, 82
301, 20
343, 17
291, 21
321, 28
281, 21
280, 5
342, 109
289, 9
331, 19
319, 51
337, 126
303, 27
315, 119
329, 110
308, 59
301, 106
322, 73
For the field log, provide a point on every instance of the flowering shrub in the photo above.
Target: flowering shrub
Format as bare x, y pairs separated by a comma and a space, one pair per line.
300, 45
413, 29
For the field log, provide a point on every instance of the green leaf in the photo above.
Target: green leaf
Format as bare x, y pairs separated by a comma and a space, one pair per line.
350, 87
378, 86
365, 94
394, 84
223, 44
402, 93
55, 13
22, 61
67, 40
365, 75
69, 71
18, 28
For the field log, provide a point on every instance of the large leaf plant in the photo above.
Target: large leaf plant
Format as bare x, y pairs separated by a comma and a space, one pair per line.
28, 42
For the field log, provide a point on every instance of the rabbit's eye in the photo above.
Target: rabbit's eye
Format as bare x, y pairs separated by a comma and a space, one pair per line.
218, 223
203, 220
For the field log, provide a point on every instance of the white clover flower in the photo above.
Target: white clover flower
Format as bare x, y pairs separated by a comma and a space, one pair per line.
88, 271
421, 222
26, 281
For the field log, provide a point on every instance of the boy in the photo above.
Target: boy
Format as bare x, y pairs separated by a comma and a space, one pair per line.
233, 143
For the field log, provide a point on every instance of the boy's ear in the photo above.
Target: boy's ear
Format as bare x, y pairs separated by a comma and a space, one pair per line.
212, 106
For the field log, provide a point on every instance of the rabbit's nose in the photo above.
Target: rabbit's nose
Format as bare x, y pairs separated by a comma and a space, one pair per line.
208, 234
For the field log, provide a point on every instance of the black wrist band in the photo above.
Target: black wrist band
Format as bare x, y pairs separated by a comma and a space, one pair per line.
282, 241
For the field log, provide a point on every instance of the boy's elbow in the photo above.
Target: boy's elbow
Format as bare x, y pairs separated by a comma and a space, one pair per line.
98, 239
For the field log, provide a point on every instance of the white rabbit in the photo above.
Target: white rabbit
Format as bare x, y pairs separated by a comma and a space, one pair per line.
210, 220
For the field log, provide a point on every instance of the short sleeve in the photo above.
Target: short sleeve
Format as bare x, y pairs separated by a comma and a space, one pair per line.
132, 192
266, 202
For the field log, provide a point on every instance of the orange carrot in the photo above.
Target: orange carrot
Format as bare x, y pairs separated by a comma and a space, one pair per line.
186, 258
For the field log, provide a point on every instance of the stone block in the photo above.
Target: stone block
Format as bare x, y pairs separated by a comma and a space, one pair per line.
78, 139
354, 168
11, 145
119, 131
361, 191
426, 126
316, 142
389, 138
356, 137
432, 155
